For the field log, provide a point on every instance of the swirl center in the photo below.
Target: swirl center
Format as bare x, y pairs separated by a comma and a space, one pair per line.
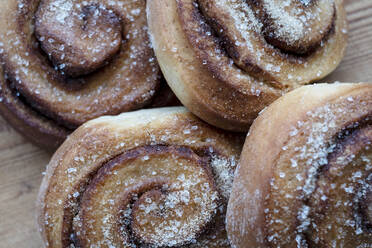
296, 26
78, 37
163, 196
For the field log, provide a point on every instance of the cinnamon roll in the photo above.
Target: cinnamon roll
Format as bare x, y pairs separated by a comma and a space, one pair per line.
228, 59
150, 178
304, 179
64, 62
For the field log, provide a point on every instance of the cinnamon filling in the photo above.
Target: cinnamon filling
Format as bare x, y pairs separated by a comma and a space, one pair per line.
290, 27
77, 60
162, 196
320, 196
83, 42
294, 27
348, 176
273, 41
364, 206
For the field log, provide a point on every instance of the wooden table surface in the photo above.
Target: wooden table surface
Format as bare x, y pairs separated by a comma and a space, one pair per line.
22, 164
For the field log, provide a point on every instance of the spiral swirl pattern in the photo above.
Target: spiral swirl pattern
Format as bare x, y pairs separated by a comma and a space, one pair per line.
126, 181
242, 55
314, 188
71, 61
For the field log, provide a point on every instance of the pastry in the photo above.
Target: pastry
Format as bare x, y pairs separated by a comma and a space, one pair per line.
65, 62
305, 175
150, 178
228, 59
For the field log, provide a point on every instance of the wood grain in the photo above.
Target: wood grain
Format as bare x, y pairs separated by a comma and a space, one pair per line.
22, 164
357, 64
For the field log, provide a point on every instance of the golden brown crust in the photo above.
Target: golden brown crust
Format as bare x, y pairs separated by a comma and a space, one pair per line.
113, 165
298, 168
40, 130
72, 61
225, 75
